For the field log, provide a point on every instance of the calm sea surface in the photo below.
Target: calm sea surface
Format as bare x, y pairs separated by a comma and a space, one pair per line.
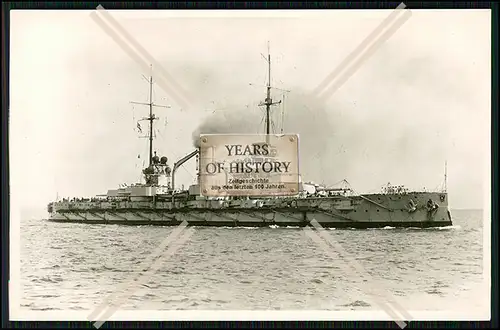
77, 266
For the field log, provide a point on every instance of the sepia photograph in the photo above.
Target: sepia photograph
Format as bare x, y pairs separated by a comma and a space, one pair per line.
250, 165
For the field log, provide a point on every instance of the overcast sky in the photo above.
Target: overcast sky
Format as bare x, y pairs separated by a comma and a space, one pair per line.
422, 99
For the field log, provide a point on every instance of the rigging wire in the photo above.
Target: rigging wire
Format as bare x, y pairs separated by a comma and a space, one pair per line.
260, 124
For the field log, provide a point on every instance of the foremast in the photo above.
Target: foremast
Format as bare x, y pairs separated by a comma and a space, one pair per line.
156, 166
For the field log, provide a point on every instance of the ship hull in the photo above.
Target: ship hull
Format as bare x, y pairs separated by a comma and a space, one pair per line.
340, 225
361, 212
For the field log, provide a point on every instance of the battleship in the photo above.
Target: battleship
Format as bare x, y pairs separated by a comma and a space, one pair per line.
156, 200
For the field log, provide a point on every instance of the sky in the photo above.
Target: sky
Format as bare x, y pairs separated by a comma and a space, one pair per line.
422, 99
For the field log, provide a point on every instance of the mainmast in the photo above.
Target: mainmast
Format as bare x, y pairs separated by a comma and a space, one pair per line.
151, 118
269, 101
445, 176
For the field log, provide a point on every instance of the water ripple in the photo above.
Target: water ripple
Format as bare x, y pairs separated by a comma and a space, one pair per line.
77, 266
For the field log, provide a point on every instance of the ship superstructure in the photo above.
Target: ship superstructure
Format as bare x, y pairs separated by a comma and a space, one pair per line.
157, 200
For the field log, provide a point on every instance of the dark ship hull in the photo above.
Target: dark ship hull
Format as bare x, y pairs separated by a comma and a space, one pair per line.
360, 211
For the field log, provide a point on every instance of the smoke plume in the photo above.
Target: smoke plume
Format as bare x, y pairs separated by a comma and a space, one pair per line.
302, 115
228, 122
374, 131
